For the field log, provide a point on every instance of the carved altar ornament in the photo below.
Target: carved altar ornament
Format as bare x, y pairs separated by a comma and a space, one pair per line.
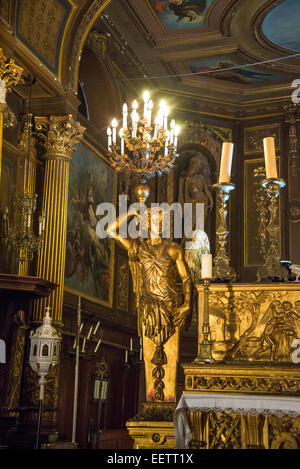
59, 135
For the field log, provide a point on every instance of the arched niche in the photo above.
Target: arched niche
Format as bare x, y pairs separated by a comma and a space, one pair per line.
198, 142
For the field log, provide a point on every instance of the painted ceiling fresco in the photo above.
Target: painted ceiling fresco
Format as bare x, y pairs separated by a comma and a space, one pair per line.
281, 25
182, 14
241, 74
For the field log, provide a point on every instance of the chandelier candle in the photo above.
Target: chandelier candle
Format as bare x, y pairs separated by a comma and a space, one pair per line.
109, 138
270, 158
226, 163
125, 114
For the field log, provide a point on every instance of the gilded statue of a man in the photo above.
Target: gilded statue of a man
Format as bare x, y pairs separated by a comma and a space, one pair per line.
155, 265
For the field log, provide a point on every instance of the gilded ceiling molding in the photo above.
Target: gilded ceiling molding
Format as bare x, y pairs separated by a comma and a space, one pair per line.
84, 28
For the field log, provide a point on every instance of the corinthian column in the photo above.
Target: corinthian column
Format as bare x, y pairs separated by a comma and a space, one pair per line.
10, 75
59, 135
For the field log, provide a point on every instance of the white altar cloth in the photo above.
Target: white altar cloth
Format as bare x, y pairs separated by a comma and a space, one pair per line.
241, 404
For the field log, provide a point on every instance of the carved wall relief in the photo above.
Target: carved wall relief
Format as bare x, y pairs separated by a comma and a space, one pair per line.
257, 323
253, 138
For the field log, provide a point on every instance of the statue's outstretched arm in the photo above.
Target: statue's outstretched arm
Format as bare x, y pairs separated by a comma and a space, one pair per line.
113, 229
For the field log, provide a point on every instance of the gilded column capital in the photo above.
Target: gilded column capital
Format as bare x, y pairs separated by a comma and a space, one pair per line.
59, 135
10, 74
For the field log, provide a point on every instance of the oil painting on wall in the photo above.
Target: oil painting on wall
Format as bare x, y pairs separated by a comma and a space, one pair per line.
89, 259
182, 14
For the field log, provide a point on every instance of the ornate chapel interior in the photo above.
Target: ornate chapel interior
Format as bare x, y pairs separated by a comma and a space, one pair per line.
90, 356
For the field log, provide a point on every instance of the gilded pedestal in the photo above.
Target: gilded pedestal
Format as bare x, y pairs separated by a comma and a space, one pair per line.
153, 427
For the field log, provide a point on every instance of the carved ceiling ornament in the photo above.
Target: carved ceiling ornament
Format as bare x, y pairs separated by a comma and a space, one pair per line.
97, 42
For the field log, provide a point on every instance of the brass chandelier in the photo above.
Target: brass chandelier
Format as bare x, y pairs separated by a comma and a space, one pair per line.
144, 147
22, 238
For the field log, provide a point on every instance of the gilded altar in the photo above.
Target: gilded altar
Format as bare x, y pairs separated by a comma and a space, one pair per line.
252, 330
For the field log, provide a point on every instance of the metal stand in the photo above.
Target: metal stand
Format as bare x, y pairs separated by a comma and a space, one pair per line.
222, 270
42, 382
75, 403
205, 347
272, 268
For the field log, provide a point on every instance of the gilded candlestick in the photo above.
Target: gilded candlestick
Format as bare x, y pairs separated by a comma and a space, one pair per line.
272, 268
205, 347
222, 269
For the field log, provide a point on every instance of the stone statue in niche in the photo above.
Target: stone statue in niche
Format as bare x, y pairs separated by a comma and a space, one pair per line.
195, 183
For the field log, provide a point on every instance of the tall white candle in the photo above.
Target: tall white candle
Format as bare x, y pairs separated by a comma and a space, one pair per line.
226, 162
125, 114
176, 133
167, 143
109, 138
146, 97
126, 356
206, 266
130, 344
166, 113
270, 158
149, 113
114, 125
172, 127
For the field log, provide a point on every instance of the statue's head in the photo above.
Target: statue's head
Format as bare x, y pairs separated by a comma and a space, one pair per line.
287, 306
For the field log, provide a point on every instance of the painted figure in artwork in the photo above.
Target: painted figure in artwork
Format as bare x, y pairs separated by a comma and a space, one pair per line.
187, 9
